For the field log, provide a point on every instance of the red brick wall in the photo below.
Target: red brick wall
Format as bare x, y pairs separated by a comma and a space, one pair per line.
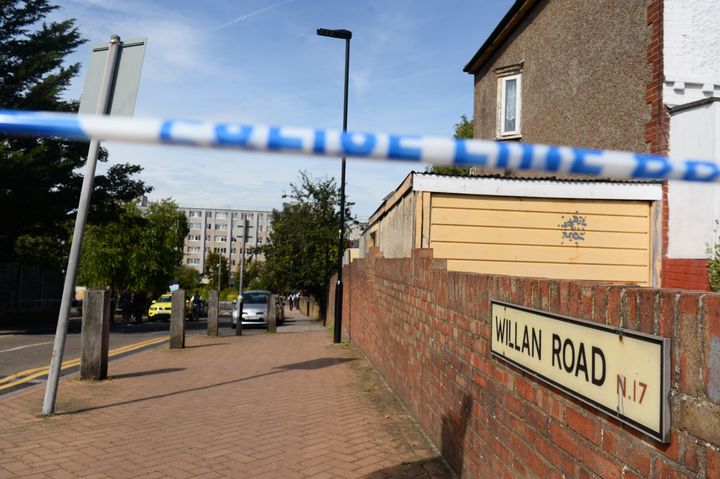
685, 274
657, 130
427, 331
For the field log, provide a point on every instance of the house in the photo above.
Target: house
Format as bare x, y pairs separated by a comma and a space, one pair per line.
638, 75
550, 228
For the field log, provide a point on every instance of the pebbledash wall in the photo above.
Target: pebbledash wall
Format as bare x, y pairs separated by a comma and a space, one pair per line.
427, 331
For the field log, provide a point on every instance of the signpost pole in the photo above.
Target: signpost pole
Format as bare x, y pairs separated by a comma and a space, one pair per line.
238, 328
83, 206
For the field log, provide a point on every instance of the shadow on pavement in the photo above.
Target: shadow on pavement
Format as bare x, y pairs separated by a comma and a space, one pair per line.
424, 469
195, 346
146, 373
314, 364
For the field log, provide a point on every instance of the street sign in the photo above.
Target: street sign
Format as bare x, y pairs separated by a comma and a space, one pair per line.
108, 82
125, 84
624, 373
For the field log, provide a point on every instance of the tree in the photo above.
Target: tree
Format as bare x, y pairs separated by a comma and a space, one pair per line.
160, 247
138, 251
254, 276
104, 260
463, 130
40, 183
189, 277
302, 252
216, 269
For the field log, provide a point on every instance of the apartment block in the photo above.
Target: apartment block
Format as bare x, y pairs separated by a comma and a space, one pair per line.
220, 231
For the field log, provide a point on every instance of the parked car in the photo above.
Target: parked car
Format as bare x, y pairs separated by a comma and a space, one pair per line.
76, 308
255, 308
161, 308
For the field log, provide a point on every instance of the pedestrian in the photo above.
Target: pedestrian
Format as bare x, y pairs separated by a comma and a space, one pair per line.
126, 305
290, 300
196, 301
142, 305
138, 304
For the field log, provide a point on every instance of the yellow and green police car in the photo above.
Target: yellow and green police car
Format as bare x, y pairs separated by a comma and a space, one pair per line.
161, 307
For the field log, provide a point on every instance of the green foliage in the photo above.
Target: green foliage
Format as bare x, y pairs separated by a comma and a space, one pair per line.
217, 270
302, 253
189, 278
138, 251
463, 130
255, 276
160, 248
713, 264
40, 183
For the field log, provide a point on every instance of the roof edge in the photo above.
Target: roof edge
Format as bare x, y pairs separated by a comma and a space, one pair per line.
507, 25
539, 188
396, 195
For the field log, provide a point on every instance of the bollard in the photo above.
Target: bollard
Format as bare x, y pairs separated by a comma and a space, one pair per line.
213, 308
272, 314
239, 306
95, 335
177, 320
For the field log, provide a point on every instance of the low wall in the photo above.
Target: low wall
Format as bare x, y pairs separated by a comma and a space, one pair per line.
427, 331
308, 306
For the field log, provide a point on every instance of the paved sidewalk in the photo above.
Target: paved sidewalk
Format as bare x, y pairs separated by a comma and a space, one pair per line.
286, 405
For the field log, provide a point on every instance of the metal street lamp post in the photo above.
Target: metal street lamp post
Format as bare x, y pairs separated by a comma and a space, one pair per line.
345, 35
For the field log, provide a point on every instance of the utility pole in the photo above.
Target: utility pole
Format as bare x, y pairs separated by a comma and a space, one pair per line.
238, 328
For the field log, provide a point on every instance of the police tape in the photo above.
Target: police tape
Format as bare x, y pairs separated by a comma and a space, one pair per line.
379, 146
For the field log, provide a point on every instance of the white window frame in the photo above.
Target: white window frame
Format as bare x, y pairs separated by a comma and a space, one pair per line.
518, 104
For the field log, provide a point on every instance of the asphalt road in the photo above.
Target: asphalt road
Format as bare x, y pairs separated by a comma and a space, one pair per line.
25, 355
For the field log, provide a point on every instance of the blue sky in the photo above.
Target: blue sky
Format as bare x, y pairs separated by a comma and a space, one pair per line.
260, 61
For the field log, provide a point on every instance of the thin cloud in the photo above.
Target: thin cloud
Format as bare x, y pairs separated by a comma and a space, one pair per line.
252, 14
434, 19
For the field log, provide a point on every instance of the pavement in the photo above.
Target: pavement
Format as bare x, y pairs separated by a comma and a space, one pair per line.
286, 405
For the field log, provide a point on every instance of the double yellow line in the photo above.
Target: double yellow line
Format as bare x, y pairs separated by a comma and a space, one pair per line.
30, 374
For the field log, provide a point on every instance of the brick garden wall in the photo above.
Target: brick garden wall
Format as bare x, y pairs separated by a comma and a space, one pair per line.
685, 273
427, 331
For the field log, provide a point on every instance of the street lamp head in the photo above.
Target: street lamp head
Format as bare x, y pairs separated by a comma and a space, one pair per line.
344, 34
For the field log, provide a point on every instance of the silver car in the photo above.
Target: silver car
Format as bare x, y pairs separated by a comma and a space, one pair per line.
255, 308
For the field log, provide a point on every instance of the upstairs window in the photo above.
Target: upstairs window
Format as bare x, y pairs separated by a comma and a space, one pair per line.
510, 95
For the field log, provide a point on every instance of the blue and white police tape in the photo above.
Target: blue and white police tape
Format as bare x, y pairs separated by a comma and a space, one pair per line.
306, 141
